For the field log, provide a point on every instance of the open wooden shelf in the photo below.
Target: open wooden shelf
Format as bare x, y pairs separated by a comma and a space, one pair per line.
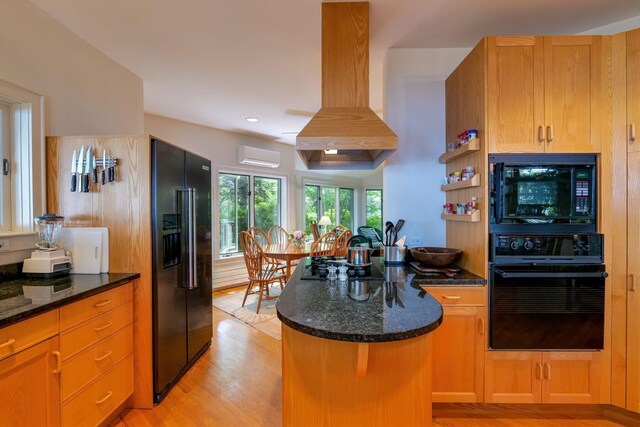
474, 217
473, 182
463, 150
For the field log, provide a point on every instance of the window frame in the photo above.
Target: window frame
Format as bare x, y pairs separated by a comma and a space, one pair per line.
251, 174
27, 161
337, 187
6, 201
366, 190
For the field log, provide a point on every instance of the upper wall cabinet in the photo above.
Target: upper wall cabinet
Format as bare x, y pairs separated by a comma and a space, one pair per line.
633, 88
544, 94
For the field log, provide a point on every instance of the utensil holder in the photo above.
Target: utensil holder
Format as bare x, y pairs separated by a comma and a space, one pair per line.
394, 255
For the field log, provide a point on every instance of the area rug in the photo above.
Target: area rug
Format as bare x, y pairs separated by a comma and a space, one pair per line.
266, 321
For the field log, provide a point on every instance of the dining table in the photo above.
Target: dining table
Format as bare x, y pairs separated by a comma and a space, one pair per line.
287, 252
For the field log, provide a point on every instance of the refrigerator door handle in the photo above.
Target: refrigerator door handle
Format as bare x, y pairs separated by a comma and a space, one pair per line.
193, 256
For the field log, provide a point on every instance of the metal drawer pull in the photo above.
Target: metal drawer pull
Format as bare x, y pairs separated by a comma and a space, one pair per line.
102, 328
7, 343
538, 371
451, 296
58, 362
547, 371
101, 358
104, 399
540, 134
102, 304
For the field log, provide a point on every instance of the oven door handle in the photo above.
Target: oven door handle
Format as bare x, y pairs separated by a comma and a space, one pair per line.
532, 275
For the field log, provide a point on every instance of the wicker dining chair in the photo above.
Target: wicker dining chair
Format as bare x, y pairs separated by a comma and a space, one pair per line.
261, 270
341, 243
339, 229
278, 235
324, 246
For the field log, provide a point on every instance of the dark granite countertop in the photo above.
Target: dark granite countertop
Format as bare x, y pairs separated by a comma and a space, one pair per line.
462, 278
359, 310
21, 298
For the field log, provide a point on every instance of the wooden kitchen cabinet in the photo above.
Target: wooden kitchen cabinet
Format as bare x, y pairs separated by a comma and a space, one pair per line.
513, 377
543, 377
515, 94
633, 285
458, 345
545, 94
633, 90
573, 98
571, 377
30, 386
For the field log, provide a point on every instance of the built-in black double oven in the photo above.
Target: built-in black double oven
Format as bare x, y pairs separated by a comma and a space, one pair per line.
547, 277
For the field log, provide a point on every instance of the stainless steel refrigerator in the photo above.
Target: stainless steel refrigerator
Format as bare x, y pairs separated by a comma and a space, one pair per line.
182, 263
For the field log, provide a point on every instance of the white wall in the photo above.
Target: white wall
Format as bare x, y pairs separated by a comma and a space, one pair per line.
415, 110
84, 91
616, 27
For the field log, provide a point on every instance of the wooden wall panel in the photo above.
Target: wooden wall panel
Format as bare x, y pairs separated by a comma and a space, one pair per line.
124, 207
465, 103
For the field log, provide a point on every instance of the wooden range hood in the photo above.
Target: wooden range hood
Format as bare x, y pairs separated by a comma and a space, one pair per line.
345, 122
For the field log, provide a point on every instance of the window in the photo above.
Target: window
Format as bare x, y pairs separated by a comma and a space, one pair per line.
335, 202
244, 201
374, 208
5, 158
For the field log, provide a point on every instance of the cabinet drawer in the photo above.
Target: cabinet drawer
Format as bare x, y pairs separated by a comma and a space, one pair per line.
88, 308
100, 399
95, 361
84, 336
457, 296
27, 333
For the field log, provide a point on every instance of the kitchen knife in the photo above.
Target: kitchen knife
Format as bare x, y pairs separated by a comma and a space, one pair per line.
104, 166
79, 167
111, 171
87, 172
74, 160
95, 168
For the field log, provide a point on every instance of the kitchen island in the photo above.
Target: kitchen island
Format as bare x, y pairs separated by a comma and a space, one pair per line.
357, 352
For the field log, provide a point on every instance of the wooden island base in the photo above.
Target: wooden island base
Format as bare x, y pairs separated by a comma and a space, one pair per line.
338, 383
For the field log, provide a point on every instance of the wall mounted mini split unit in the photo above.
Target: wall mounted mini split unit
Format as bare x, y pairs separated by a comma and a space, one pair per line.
253, 156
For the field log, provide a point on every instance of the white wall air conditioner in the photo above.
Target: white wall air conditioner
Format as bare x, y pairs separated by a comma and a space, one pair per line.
253, 156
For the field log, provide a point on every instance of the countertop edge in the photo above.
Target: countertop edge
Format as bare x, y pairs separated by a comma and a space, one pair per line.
19, 317
362, 338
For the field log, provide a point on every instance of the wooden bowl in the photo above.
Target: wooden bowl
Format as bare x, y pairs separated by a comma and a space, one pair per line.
435, 257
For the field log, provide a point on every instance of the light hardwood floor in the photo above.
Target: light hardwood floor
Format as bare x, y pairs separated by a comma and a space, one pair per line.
237, 383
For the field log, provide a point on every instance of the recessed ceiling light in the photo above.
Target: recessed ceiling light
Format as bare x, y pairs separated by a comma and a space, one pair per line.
252, 119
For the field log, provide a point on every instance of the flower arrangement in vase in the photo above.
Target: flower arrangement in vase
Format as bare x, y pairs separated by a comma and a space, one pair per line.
298, 238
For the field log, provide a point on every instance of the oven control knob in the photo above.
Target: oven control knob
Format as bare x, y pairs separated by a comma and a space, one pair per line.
528, 245
514, 245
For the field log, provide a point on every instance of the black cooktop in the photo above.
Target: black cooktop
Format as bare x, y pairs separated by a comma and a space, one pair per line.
316, 269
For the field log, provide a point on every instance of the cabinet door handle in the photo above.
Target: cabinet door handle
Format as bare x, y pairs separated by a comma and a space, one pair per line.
549, 133
538, 371
102, 304
104, 399
451, 296
632, 283
8, 343
58, 357
101, 358
547, 371
632, 132
102, 328
540, 133
481, 325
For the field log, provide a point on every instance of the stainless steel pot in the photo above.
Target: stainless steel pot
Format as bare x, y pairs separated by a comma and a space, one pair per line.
358, 255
